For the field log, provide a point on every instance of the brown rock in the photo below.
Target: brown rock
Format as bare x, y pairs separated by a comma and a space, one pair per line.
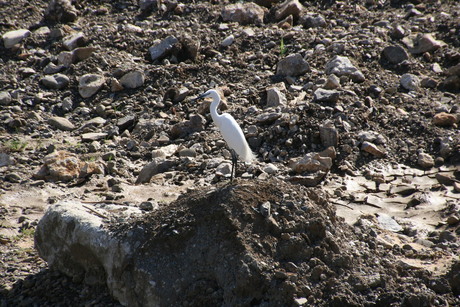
444, 119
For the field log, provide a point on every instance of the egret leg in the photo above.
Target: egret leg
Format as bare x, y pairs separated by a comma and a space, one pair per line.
234, 164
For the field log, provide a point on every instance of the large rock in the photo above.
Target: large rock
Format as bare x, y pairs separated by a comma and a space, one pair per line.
12, 38
395, 54
288, 7
244, 13
163, 48
89, 84
292, 65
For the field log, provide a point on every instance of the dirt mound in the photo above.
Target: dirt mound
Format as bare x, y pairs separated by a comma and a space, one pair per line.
252, 244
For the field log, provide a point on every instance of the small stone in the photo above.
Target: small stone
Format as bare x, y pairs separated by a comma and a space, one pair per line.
6, 159
313, 21
388, 223
61, 11
65, 58
323, 95
148, 206
57, 81
228, 41
342, 66
163, 48
428, 83
12, 38
332, 83
267, 118
244, 13
292, 65
75, 40
445, 179
395, 54
275, 97
270, 169
425, 160
93, 136
372, 149
5, 98
329, 135
265, 209
187, 152
89, 84
13, 178
52, 68
224, 169
444, 119
61, 123
115, 85
133, 79
410, 82
456, 185
83, 53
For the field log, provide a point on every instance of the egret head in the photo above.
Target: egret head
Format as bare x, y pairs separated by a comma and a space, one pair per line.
210, 93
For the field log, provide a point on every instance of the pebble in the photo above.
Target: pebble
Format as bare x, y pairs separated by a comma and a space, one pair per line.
310, 20
82, 53
444, 119
163, 48
93, 136
292, 65
89, 84
395, 54
244, 13
270, 169
5, 98
11, 38
56, 81
228, 41
61, 123
410, 82
342, 66
332, 82
425, 160
329, 135
421, 43
133, 79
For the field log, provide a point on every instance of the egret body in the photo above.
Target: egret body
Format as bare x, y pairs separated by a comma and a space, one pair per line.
230, 131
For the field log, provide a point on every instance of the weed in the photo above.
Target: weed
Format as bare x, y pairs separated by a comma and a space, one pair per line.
283, 48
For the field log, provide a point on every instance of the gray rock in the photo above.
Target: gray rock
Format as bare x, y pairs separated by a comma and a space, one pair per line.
268, 117
275, 97
65, 58
5, 98
388, 223
93, 136
410, 82
12, 38
329, 135
270, 169
288, 7
61, 11
163, 48
75, 40
228, 41
52, 68
292, 65
82, 53
313, 21
425, 160
195, 124
342, 66
265, 209
244, 13
158, 165
89, 84
57, 81
133, 79
61, 123
332, 82
187, 152
323, 95
6, 159
395, 54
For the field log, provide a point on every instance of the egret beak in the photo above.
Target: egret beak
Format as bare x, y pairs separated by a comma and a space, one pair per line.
199, 97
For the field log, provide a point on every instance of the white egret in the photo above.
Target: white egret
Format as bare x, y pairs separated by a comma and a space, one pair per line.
230, 130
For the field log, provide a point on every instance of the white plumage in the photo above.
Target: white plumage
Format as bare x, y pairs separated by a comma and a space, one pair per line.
230, 130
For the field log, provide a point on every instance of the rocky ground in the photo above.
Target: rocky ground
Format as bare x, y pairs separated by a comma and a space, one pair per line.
358, 98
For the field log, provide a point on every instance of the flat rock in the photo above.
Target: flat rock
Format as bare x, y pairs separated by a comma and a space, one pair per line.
56, 81
292, 65
93, 136
342, 66
12, 38
372, 149
61, 123
89, 84
244, 13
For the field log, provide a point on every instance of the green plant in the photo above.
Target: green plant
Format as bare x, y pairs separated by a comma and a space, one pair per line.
283, 48
16, 145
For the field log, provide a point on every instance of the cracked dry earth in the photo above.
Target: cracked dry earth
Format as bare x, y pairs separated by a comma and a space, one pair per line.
395, 200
